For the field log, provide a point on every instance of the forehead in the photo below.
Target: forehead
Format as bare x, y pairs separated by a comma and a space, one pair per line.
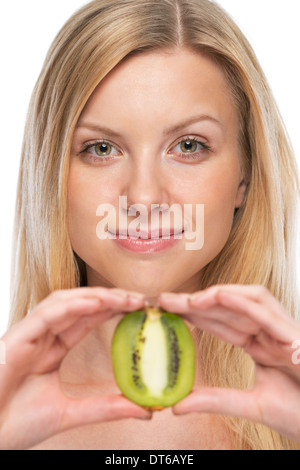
155, 87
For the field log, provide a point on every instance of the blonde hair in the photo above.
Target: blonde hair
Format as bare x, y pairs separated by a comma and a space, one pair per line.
261, 247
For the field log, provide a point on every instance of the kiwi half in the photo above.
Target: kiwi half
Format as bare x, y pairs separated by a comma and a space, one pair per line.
153, 358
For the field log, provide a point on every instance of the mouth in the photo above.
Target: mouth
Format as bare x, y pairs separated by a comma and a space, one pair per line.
150, 242
164, 233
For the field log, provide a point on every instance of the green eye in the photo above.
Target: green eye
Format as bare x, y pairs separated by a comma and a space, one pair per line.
103, 149
189, 146
190, 149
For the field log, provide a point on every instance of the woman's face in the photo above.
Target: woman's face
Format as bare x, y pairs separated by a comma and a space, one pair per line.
162, 130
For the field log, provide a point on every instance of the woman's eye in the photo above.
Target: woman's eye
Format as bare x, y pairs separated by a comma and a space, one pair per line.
100, 150
190, 148
103, 149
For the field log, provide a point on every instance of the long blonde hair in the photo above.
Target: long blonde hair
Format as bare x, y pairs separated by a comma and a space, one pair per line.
261, 247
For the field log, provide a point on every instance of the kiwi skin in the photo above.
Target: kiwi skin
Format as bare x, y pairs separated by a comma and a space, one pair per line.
153, 358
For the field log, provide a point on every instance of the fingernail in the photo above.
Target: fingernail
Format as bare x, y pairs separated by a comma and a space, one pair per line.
147, 417
94, 300
136, 296
122, 294
168, 296
194, 297
179, 413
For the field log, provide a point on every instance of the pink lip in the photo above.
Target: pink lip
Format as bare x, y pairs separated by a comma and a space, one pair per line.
151, 245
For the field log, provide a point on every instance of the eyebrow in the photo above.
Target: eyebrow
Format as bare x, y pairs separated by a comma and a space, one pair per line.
97, 128
171, 130
193, 120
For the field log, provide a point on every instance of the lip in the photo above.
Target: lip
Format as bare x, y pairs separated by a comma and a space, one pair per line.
148, 245
154, 233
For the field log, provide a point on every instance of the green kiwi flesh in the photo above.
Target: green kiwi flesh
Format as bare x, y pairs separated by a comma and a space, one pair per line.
153, 358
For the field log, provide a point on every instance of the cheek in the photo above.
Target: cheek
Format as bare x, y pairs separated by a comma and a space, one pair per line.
220, 195
83, 199
217, 191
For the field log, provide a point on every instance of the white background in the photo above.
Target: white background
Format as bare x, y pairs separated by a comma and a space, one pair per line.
27, 29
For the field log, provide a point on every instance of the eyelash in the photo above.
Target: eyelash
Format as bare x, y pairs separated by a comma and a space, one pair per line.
194, 155
97, 158
184, 156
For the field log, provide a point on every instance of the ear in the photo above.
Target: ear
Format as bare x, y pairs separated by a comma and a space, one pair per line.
241, 193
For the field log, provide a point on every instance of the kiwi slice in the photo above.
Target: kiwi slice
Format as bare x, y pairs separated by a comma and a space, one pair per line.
153, 357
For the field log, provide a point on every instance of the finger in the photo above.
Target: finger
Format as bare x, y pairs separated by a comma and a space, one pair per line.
281, 328
37, 332
60, 313
209, 313
79, 329
101, 292
99, 409
244, 323
272, 345
257, 293
243, 314
32, 327
237, 403
71, 332
108, 306
225, 333
268, 342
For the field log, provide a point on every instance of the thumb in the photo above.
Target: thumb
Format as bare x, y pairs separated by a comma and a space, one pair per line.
92, 410
237, 403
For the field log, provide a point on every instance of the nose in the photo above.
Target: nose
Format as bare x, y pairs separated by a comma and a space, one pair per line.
146, 182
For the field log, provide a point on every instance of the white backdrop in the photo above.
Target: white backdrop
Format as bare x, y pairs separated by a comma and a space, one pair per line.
26, 32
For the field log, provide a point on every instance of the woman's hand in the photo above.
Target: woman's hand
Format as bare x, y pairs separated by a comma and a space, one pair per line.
32, 404
251, 318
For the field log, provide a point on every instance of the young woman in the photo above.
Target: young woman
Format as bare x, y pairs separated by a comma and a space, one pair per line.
163, 102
